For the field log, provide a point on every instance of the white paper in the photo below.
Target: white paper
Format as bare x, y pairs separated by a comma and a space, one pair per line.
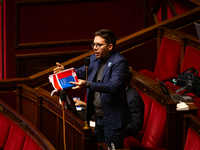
182, 106
92, 124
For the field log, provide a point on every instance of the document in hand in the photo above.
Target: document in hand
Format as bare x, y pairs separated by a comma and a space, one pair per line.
60, 80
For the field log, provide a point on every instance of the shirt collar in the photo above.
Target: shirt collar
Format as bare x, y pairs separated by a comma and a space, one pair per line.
104, 60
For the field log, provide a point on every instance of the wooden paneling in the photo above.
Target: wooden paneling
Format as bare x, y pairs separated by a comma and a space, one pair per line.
47, 116
66, 22
29, 64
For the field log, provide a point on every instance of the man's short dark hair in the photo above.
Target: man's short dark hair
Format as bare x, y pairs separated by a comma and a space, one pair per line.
108, 35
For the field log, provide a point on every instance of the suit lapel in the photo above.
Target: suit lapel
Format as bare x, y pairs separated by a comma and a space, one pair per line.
108, 65
94, 70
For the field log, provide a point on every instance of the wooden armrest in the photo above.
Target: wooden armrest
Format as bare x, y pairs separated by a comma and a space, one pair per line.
102, 146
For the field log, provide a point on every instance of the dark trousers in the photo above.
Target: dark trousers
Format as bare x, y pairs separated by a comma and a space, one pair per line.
107, 135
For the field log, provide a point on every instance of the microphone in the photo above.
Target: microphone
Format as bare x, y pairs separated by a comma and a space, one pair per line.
87, 63
62, 95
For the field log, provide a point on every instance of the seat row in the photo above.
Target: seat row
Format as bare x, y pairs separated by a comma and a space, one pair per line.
162, 124
191, 136
177, 52
17, 133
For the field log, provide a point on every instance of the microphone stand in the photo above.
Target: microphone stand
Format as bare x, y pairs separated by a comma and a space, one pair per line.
87, 63
63, 98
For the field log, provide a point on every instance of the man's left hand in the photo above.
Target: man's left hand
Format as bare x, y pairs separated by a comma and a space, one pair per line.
80, 84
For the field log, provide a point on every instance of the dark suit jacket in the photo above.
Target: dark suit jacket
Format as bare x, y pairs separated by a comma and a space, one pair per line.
136, 105
112, 89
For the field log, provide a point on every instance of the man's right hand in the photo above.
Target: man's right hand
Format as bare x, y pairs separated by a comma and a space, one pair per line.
79, 102
59, 68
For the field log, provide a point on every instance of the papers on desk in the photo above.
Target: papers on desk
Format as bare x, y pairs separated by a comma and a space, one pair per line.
182, 106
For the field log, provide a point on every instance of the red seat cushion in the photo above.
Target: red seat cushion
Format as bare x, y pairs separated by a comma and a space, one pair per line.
192, 141
132, 143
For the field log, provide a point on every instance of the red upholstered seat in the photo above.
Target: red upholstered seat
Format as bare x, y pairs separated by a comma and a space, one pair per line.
22, 138
147, 108
168, 61
192, 56
13, 137
192, 140
5, 125
191, 132
147, 105
154, 135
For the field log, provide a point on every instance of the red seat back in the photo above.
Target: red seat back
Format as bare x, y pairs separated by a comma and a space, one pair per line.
155, 133
147, 107
192, 140
13, 137
191, 134
5, 125
168, 61
191, 59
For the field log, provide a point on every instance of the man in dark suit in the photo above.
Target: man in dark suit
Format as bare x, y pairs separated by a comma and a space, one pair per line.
106, 89
136, 106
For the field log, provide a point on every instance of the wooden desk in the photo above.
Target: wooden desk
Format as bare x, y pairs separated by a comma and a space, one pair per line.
174, 117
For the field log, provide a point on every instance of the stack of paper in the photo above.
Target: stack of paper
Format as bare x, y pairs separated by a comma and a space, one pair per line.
182, 106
